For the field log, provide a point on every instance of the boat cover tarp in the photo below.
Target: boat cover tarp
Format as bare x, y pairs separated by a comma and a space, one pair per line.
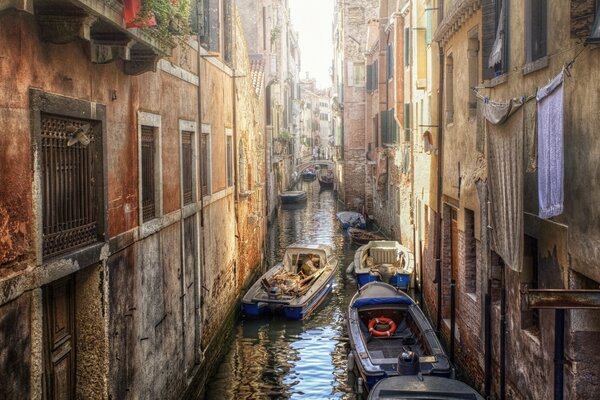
381, 300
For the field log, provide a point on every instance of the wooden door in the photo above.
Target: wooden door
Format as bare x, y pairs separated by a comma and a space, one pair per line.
454, 250
59, 340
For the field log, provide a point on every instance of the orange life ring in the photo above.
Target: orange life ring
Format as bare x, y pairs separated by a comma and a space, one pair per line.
384, 320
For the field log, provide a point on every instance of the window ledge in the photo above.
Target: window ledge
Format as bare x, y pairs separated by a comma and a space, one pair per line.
150, 227
499, 80
245, 193
472, 296
534, 66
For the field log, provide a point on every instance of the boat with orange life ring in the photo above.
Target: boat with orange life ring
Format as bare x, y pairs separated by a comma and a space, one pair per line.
376, 329
379, 351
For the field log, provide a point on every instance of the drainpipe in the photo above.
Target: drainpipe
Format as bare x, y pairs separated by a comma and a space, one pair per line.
438, 244
199, 275
503, 335
487, 361
559, 352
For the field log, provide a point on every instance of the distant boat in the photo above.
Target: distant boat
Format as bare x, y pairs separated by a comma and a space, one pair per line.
294, 196
295, 286
361, 236
384, 260
351, 219
412, 387
309, 175
326, 182
390, 336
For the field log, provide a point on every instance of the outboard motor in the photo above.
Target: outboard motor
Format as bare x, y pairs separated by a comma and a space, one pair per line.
274, 293
408, 363
386, 271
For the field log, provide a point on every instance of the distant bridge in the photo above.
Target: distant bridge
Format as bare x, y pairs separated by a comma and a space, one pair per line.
301, 167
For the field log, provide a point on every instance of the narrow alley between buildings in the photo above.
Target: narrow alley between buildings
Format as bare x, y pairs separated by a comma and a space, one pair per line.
307, 199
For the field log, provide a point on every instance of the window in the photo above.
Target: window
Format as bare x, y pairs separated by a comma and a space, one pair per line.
148, 173
536, 15
449, 89
229, 155
389, 127
210, 38
188, 161
356, 70
372, 77
470, 252
69, 175
227, 31
495, 38
406, 47
473, 63
205, 161
529, 277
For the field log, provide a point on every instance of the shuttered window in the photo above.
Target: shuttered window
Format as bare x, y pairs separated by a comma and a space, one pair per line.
389, 127
376, 130
492, 17
187, 167
69, 177
148, 176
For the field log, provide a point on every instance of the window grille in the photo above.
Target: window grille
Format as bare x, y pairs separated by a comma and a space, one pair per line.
69, 168
148, 179
187, 167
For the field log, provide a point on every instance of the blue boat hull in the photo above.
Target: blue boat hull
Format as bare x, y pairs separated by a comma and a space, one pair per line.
398, 280
301, 312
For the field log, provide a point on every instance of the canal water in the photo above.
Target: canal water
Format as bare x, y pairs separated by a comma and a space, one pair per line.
274, 358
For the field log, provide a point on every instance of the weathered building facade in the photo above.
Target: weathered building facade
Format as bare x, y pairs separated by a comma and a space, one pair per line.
131, 196
495, 241
348, 92
273, 43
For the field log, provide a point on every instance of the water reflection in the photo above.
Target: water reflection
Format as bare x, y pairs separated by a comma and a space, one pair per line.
279, 359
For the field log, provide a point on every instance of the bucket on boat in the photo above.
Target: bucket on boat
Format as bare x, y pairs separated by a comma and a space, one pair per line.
350, 362
408, 363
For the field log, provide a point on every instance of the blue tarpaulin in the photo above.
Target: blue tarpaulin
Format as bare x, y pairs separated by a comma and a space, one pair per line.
381, 300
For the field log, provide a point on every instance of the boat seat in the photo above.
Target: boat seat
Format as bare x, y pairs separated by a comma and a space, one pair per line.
383, 255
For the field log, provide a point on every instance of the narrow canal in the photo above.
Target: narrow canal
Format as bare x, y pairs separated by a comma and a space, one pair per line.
274, 358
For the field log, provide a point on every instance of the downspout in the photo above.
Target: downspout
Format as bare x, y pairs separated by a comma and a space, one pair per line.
438, 228
503, 334
199, 273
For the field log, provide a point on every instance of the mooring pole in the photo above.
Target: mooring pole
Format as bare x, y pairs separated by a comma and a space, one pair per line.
559, 352
452, 317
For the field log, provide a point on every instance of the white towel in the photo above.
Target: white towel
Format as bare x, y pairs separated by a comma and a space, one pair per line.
550, 148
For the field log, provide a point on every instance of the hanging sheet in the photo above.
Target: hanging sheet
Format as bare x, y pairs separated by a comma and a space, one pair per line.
530, 133
550, 148
505, 178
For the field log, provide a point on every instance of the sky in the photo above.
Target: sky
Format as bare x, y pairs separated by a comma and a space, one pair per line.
313, 20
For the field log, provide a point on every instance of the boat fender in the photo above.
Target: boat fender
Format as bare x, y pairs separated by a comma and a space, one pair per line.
359, 382
350, 367
382, 320
350, 268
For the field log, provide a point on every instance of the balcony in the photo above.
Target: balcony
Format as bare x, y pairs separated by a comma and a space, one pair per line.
101, 23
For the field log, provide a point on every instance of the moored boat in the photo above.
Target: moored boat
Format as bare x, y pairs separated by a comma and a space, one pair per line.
424, 387
326, 182
384, 260
361, 236
390, 336
309, 175
351, 219
293, 196
296, 286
